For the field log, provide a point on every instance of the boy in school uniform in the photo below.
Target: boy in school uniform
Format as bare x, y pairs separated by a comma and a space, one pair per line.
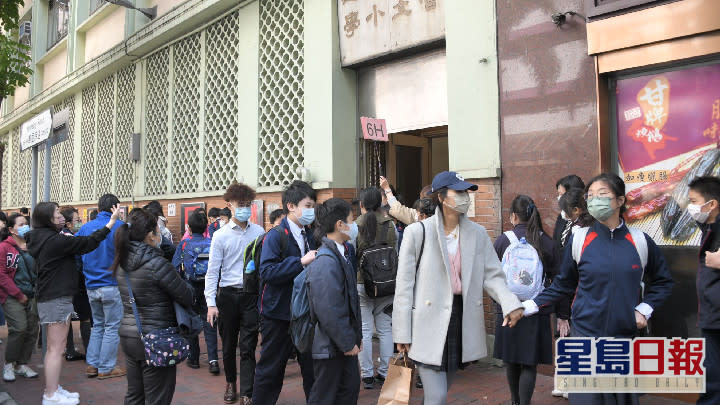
286, 251
704, 207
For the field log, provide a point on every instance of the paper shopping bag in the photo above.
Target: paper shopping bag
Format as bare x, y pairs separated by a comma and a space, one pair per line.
396, 389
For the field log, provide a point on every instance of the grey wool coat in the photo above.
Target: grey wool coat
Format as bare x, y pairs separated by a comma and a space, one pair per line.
423, 301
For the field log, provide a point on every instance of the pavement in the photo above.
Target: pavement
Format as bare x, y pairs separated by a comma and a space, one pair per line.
479, 384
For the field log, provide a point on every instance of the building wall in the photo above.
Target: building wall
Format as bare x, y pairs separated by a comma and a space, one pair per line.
105, 35
55, 68
21, 95
163, 6
547, 102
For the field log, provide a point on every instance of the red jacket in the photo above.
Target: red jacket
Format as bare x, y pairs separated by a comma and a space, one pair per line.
8, 267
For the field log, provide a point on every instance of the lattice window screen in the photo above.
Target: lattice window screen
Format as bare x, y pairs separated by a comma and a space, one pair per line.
21, 171
87, 141
67, 155
6, 180
221, 103
281, 90
105, 137
124, 174
186, 115
156, 118
41, 173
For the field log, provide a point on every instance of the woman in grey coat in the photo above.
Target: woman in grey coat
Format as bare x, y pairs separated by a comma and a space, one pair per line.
445, 262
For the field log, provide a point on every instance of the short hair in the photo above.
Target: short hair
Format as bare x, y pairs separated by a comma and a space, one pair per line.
43, 215
570, 181
93, 214
214, 212
106, 202
225, 212
197, 222
239, 192
708, 187
425, 206
3, 217
155, 207
25, 211
67, 212
296, 192
275, 215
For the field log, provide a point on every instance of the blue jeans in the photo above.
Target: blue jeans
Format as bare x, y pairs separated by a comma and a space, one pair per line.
107, 311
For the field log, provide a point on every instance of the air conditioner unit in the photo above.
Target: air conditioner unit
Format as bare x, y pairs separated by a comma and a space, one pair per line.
24, 34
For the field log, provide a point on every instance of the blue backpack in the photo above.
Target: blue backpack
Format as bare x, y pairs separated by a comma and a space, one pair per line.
302, 323
194, 262
523, 268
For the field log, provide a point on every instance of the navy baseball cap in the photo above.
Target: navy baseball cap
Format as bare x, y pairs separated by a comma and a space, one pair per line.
451, 180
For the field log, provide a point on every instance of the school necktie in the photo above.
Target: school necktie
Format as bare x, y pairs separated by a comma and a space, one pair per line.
305, 241
566, 232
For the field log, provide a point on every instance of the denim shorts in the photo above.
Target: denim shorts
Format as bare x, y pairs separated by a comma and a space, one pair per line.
56, 310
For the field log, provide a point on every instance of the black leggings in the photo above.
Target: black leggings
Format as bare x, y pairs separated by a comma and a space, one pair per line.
521, 379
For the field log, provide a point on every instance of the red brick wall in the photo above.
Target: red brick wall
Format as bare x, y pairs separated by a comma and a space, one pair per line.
269, 199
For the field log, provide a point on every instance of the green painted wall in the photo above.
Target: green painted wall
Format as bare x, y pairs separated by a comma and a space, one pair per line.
472, 79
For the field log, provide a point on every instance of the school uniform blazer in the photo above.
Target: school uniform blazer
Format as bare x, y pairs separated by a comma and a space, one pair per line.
423, 301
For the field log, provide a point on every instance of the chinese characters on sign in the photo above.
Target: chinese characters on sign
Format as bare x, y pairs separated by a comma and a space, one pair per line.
372, 28
630, 365
35, 130
668, 132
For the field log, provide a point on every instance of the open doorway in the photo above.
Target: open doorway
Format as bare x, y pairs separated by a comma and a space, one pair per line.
414, 158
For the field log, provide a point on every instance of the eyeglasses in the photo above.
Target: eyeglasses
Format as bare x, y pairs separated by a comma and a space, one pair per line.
602, 194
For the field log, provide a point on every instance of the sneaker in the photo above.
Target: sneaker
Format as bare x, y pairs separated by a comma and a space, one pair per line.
66, 393
26, 371
368, 383
379, 379
193, 364
9, 373
214, 367
59, 399
116, 372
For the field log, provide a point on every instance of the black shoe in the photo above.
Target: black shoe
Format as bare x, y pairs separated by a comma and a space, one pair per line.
74, 356
193, 364
380, 380
214, 368
418, 383
369, 383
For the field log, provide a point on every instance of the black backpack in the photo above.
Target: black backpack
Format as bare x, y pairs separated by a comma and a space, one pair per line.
378, 266
251, 259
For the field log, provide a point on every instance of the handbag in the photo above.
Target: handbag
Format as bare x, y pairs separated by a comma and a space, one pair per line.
163, 347
398, 383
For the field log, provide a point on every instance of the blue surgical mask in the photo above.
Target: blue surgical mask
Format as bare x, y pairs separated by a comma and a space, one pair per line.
23, 230
308, 216
352, 232
243, 214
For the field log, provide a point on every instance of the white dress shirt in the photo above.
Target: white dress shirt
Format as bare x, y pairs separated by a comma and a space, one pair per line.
226, 257
296, 232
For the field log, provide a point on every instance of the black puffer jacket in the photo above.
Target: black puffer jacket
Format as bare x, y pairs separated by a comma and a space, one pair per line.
155, 284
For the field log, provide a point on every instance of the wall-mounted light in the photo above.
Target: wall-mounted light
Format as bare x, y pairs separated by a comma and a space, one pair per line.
561, 18
150, 13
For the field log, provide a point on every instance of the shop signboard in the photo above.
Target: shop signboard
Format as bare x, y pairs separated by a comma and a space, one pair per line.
668, 133
36, 130
369, 29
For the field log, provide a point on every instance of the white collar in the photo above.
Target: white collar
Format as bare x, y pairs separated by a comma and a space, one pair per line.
294, 228
341, 248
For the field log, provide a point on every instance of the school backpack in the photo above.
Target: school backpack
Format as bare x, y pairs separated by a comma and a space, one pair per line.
639, 241
196, 267
251, 259
378, 266
523, 268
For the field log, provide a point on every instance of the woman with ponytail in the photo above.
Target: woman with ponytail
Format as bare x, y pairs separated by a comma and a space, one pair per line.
334, 303
57, 283
530, 343
156, 286
374, 228
17, 295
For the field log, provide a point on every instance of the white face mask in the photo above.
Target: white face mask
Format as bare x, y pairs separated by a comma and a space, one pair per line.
222, 223
695, 211
462, 202
564, 216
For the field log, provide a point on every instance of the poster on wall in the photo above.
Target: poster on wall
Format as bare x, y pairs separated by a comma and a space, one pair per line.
186, 209
258, 216
668, 133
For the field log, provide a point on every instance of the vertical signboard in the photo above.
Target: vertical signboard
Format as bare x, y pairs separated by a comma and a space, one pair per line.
668, 132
